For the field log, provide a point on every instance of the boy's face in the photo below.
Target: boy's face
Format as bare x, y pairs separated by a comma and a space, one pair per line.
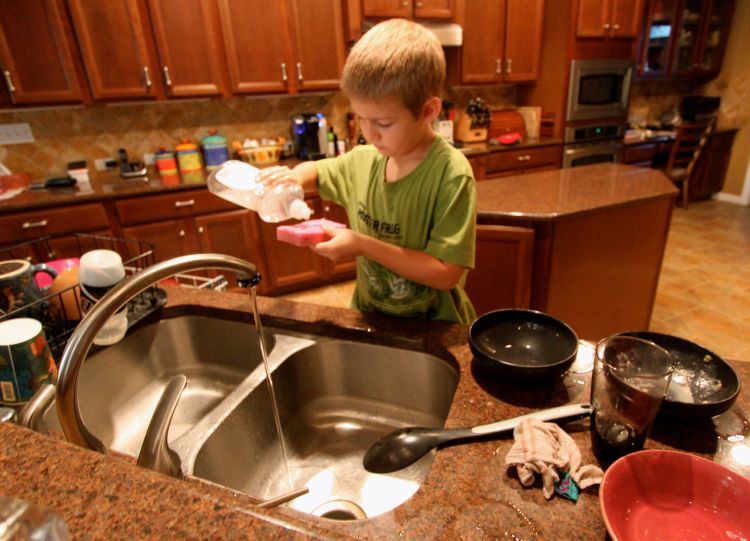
390, 126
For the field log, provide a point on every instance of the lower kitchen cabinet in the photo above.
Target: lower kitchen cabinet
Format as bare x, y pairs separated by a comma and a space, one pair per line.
502, 272
292, 267
711, 167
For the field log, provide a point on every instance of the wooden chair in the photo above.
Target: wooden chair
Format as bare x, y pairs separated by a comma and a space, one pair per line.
690, 140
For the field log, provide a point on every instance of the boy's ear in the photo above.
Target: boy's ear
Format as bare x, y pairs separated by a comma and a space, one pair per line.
432, 108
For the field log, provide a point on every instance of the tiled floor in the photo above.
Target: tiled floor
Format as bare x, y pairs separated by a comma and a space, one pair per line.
704, 288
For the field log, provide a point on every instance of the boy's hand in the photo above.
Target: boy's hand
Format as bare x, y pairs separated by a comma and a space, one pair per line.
278, 174
342, 244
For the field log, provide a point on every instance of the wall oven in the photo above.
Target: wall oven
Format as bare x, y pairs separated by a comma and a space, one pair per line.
593, 143
598, 89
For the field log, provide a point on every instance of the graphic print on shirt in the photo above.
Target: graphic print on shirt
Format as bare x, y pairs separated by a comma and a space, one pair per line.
388, 289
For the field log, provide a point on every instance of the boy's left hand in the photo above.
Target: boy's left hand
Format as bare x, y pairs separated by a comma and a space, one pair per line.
342, 244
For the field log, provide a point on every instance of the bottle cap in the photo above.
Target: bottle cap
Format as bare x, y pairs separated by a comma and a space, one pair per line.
299, 210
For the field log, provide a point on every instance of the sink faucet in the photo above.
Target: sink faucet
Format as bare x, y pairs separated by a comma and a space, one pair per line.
66, 397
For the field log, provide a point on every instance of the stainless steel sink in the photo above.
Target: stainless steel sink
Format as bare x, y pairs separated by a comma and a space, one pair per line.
335, 399
119, 386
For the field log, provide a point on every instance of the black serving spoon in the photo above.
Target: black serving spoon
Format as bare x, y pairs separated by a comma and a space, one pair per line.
405, 446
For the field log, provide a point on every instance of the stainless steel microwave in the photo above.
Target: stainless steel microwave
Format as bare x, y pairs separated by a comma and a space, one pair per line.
598, 89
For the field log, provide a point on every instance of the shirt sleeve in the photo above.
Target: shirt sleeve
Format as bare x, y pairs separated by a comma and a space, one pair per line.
453, 235
334, 176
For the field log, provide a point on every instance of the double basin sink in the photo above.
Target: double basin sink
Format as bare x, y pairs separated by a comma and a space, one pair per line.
335, 398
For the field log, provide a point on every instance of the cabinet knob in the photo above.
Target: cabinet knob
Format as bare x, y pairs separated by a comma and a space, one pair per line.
147, 77
9, 82
419, 4
34, 225
200, 230
299, 72
615, 26
326, 209
181, 233
167, 78
284, 77
606, 26
405, 3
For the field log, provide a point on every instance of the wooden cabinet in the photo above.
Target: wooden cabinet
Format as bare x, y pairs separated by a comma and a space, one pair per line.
525, 160
418, 9
609, 18
293, 267
59, 224
189, 48
503, 268
685, 38
502, 40
289, 46
37, 54
116, 55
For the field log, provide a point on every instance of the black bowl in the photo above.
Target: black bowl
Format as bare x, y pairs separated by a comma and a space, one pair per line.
711, 379
522, 344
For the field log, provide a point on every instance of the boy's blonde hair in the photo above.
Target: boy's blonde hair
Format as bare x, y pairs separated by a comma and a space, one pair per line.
396, 59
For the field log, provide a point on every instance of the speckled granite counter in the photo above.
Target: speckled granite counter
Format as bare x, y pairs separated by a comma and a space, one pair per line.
551, 195
469, 493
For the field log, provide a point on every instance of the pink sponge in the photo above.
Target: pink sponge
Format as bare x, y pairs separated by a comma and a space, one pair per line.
306, 233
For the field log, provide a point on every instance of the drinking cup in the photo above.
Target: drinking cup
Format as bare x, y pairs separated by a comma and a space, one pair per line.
25, 360
60, 266
628, 384
17, 285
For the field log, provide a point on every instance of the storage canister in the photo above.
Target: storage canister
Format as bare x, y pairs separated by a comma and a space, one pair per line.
188, 157
215, 149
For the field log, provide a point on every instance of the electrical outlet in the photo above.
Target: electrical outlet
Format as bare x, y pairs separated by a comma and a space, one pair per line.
11, 134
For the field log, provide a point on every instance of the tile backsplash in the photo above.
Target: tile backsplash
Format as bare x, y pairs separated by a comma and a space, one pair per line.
64, 134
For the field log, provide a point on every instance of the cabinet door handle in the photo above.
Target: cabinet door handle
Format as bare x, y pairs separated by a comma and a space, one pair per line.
181, 233
299, 71
508, 65
147, 76
524, 158
200, 230
498, 66
615, 26
284, 77
34, 225
188, 203
9, 82
606, 26
167, 78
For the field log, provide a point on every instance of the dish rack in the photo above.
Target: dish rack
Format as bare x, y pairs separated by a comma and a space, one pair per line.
136, 255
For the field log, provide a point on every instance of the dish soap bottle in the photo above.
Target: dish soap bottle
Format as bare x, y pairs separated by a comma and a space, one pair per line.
238, 182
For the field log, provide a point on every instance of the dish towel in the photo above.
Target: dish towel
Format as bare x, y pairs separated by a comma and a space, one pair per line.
546, 449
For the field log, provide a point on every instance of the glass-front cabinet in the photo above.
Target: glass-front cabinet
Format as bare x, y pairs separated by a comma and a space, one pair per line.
685, 37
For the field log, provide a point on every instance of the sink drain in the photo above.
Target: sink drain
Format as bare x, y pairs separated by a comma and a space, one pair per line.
340, 510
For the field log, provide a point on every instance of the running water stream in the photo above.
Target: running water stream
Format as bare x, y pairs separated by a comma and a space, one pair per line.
264, 355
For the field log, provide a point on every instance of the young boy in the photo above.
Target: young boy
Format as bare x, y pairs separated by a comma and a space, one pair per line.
409, 195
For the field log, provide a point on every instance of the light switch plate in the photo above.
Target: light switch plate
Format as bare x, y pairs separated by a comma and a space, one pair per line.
11, 134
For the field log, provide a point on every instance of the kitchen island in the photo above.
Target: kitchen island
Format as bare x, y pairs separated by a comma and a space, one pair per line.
468, 494
584, 244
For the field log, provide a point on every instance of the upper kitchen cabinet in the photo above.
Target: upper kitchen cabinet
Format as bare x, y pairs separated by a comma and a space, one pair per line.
685, 38
116, 55
609, 18
274, 46
502, 40
418, 9
188, 42
37, 54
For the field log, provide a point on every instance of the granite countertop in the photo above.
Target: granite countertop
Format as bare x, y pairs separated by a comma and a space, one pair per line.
469, 493
477, 149
109, 185
552, 195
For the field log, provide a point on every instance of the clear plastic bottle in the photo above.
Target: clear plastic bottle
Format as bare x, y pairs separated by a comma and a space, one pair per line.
238, 182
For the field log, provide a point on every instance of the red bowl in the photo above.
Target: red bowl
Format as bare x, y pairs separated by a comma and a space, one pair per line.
670, 495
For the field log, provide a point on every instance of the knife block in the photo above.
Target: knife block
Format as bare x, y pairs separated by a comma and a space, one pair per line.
464, 132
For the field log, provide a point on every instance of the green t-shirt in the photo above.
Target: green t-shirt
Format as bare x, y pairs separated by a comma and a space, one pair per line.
432, 209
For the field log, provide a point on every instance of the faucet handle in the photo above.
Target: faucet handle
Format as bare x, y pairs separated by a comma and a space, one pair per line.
155, 452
